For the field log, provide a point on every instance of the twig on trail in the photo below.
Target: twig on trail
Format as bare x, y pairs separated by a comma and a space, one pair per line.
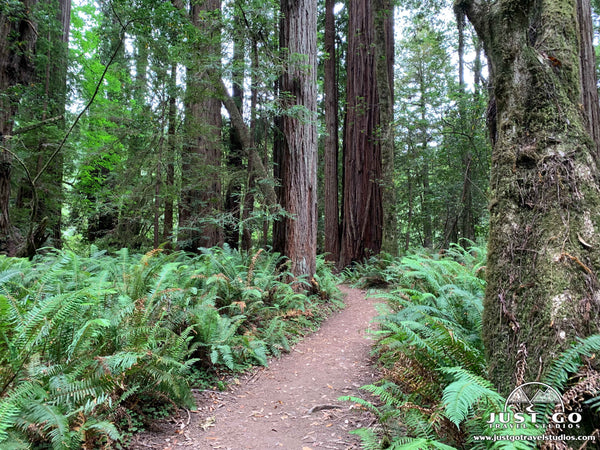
255, 376
322, 407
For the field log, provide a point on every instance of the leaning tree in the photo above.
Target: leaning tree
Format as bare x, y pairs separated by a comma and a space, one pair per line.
544, 248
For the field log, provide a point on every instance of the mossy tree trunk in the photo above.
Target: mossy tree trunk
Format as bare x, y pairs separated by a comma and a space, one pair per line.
544, 246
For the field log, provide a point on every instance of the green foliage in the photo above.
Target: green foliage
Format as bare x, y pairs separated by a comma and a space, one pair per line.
435, 393
88, 341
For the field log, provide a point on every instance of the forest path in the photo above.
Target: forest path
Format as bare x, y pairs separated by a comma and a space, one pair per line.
291, 405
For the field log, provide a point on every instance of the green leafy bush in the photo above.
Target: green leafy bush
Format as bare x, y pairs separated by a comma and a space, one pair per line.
89, 344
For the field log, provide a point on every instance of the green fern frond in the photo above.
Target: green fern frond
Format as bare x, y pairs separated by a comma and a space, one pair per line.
461, 396
369, 438
570, 361
419, 444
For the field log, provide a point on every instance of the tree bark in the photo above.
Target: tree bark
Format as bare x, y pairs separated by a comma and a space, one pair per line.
298, 170
171, 152
383, 12
362, 199
233, 196
587, 67
544, 250
201, 187
331, 179
18, 36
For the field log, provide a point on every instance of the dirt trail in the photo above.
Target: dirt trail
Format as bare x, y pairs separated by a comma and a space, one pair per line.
293, 403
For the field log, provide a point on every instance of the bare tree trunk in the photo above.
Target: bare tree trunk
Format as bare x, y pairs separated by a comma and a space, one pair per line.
249, 196
332, 209
201, 187
362, 200
16, 68
172, 149
298, 171
587, 67
383, 12
544, 250
233, 196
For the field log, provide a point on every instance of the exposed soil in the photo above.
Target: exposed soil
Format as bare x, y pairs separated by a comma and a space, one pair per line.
292, 404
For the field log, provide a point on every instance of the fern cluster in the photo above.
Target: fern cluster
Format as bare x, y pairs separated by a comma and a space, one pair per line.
84, 341
435, 394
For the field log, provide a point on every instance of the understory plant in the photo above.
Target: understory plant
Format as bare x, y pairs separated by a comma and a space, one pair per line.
88, 344
434, 393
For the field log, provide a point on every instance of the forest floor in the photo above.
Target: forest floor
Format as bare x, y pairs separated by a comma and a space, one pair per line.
293, 404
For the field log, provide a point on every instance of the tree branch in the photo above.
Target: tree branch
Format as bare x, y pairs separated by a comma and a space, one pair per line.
247, 143
476, 11
42, 123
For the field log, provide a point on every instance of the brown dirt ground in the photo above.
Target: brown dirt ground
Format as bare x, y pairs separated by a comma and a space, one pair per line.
292, 404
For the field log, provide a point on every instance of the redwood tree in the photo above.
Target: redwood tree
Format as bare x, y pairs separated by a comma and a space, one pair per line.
383, 21
331, 179
298, 147
544, 247
362, 200
17, 42
201, 187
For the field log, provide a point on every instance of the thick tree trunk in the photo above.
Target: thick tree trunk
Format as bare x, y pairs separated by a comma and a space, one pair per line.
17, 42
362, 200
233, 196
544, 246
298, 170
50, 189
331, 179
201, 187
383, 12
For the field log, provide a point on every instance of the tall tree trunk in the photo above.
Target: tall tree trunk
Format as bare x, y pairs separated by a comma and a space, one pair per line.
17, 41
544, 247
298, 171
331, 179
172, 149
247, 230
201, 187
383, 13
233, 196
426, 208
362, 200
467, 226
587, 67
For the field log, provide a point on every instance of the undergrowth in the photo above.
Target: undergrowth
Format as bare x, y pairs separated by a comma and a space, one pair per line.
434, 393
90, 346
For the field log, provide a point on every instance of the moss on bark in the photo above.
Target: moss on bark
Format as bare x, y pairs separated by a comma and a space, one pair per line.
543, 290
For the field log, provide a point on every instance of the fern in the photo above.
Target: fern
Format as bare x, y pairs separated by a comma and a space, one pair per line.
462, 395
419, 444
85, 338
570, 361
